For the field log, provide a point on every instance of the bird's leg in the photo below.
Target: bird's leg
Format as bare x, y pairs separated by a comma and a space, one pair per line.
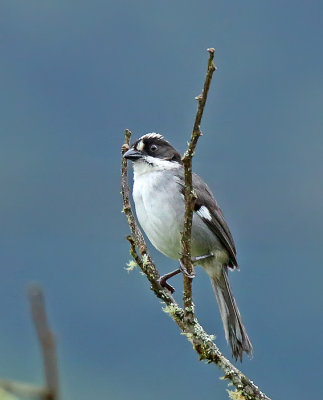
163, 280
200, 258
194, 260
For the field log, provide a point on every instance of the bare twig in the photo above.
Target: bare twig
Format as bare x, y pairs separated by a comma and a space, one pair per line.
202, 342
22, 389
46, 341
189, 194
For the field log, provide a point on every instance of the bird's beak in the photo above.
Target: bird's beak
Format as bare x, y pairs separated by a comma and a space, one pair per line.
132, 155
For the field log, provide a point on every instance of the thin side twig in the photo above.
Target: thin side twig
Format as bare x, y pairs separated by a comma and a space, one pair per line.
189, 194
46, 341
202, 342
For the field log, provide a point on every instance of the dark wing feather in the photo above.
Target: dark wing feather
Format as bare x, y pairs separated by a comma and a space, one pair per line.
217, 224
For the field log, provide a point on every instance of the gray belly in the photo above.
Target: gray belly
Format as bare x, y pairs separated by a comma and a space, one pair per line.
160, 211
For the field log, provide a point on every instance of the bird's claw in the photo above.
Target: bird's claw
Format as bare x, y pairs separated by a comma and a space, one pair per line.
185, 272
163, 282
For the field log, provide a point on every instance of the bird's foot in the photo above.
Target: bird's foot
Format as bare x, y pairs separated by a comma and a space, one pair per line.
163, 280
184, 271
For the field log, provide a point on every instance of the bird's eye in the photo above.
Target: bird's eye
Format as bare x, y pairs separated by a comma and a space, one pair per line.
153, 147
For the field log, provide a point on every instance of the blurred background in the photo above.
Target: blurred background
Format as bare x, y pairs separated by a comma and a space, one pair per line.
74, 75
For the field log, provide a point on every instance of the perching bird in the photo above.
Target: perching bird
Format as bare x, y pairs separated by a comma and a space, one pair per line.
158, 193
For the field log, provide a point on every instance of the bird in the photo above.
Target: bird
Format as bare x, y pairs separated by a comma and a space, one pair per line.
158, 195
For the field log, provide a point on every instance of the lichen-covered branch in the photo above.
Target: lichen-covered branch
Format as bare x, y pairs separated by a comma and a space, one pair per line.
189, 194
202, 343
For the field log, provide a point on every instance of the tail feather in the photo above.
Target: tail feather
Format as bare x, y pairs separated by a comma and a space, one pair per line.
235, 331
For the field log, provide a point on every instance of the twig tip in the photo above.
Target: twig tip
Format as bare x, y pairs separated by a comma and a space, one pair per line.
127, 134
125, 146
34, 290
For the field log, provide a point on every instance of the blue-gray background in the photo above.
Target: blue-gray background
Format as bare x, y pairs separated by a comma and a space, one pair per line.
74, 75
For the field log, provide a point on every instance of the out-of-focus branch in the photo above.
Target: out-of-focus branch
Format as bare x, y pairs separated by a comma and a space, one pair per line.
46, 341
189, 194
47, 344
22, 389
202, 342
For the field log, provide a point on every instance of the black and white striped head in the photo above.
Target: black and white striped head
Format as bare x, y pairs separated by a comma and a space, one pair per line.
153, 149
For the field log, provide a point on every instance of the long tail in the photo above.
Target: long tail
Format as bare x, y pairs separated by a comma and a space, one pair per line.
235, 332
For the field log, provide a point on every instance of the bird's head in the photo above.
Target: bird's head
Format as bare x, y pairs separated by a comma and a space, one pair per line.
154, 150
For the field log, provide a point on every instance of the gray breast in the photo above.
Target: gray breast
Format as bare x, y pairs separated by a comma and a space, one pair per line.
160, 211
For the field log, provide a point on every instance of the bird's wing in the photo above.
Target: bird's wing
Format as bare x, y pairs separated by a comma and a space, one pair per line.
209, 211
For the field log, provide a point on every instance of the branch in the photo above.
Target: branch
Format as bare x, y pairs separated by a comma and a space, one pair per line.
189, 194
46, 341
22, 389
202, 342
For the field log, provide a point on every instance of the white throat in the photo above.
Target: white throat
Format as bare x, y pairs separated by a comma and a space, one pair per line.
152, 164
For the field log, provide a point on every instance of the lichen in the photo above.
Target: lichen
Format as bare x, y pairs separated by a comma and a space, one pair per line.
172, 309
145, 260
131, 265
236, 394
190, 309
199, 332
